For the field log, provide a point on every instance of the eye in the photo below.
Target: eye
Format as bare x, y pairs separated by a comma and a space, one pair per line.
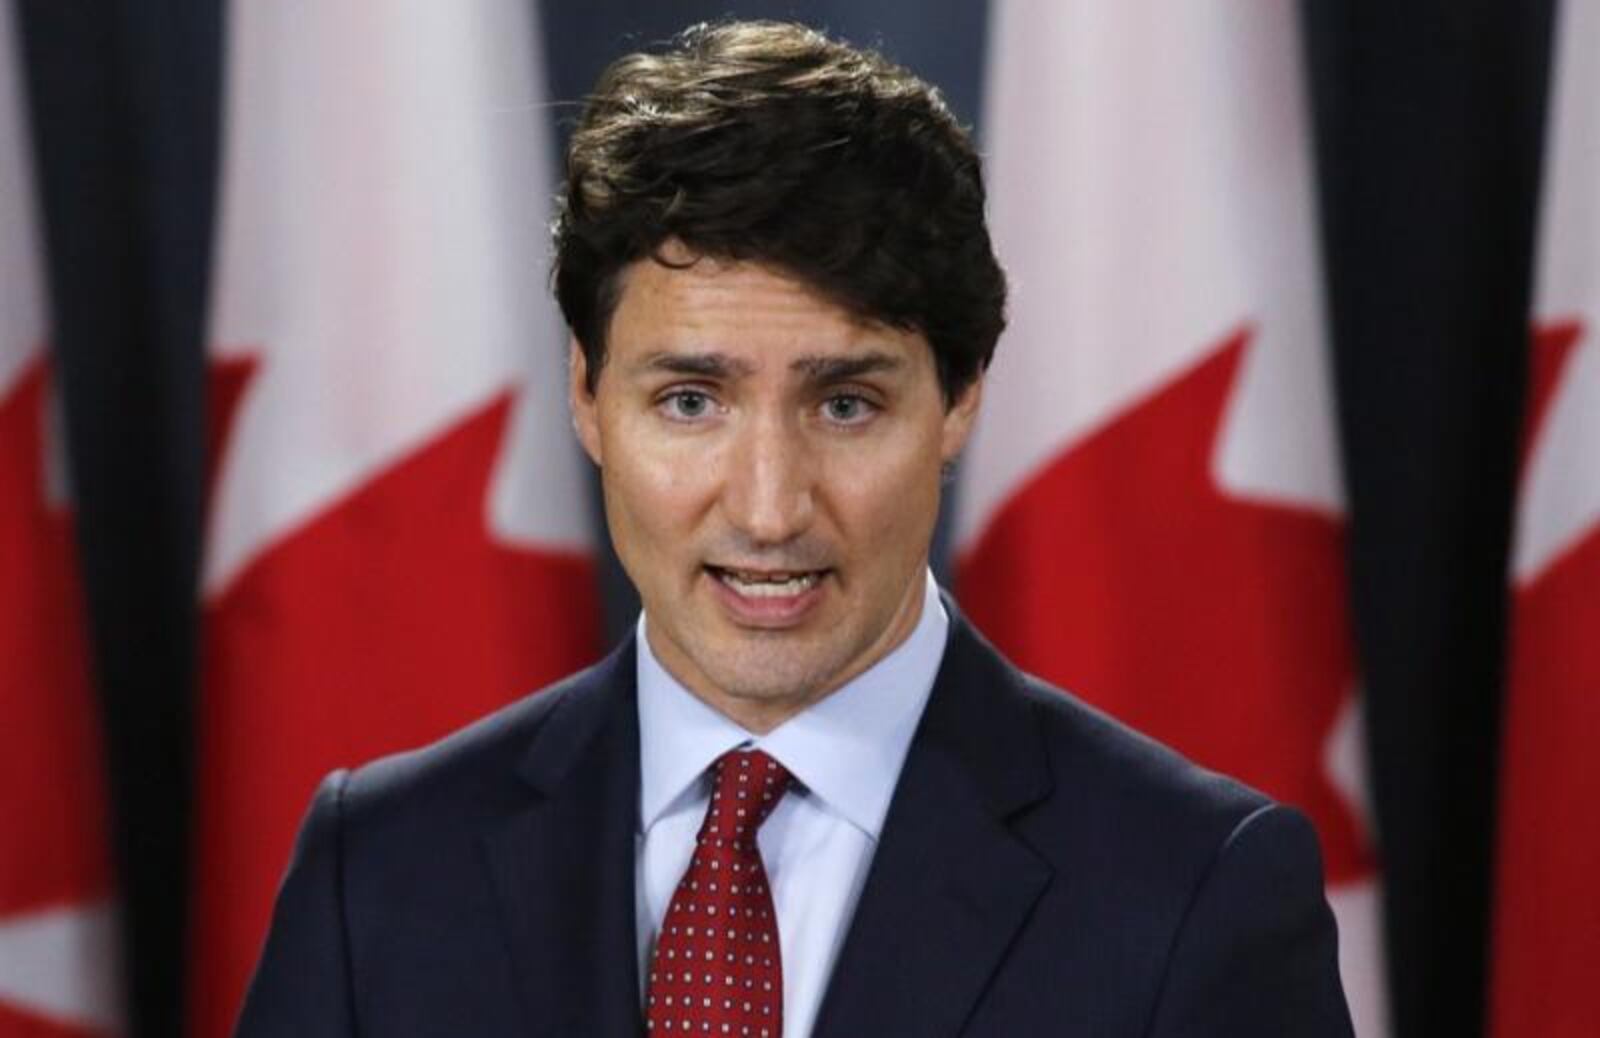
848, 408
686, 405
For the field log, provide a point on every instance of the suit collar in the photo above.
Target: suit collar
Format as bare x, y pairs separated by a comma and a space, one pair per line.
950, 884
599, 702
563, 866
980, 715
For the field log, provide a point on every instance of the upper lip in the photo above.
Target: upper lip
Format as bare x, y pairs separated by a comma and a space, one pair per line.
760, 573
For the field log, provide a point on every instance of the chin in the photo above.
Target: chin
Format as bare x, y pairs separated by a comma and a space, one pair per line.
758, 677
763, 687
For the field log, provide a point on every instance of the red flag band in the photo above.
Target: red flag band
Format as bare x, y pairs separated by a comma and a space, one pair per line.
398, 533
1152, 514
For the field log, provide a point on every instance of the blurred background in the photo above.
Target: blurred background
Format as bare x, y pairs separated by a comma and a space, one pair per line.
1291, 453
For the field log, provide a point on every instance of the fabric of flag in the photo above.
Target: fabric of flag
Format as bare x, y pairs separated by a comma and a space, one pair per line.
58, 965
399, 530
1546, 942
1152, 513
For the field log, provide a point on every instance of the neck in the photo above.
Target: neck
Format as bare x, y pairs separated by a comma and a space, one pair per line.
760, 710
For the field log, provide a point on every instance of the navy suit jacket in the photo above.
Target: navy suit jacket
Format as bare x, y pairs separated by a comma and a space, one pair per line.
1042, 870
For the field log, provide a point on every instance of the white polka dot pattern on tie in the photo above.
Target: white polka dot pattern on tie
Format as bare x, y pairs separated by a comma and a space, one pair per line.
716, 968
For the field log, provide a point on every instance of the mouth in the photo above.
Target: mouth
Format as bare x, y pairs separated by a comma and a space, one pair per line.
768, 598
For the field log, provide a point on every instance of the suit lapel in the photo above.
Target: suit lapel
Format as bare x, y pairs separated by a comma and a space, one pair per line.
562, 865
949, 885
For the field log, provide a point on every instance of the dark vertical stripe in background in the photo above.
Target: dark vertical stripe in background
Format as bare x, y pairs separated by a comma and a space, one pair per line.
1429, 122
123, 104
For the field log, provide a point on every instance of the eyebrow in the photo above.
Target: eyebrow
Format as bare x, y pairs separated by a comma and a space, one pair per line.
840, 369
702, 365
814, 368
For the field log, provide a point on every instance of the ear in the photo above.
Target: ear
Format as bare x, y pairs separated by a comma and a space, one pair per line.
585, 410
959, 419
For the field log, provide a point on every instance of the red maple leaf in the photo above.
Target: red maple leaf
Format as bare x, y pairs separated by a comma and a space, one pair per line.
1547, 912
52, 783
1214, 623
18, 1024
387, 620
52, 791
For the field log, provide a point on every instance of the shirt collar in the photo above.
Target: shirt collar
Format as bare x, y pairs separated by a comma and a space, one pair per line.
846, 749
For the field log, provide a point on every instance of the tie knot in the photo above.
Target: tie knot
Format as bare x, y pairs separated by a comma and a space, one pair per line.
746, 786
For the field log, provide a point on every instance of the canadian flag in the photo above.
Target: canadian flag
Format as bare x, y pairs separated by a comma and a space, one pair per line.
58, 963
399, 532
1152, 511
1547, 909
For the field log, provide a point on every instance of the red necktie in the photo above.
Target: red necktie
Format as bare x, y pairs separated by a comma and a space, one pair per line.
716, 968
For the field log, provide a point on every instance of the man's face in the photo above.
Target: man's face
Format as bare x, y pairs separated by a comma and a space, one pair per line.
771, 468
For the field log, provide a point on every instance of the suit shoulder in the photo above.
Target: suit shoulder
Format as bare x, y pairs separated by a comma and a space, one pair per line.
1142, 783
1147, 830
474, 761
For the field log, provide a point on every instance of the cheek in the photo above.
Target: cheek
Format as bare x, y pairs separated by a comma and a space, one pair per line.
887, 500
655, 492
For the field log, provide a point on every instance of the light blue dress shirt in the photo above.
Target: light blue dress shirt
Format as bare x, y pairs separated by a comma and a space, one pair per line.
845, 753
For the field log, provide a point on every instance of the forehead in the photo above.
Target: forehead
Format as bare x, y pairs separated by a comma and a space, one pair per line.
743, 309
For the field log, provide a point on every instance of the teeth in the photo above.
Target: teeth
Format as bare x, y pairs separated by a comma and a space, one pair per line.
767, 586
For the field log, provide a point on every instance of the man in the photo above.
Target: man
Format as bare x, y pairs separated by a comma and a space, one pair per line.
806, 797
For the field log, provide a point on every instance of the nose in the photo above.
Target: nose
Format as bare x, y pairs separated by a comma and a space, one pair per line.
768, 489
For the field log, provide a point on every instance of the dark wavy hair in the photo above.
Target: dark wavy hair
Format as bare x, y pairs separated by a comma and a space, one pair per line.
769, 142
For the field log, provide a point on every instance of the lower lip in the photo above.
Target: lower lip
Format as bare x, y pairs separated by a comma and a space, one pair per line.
773, 613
